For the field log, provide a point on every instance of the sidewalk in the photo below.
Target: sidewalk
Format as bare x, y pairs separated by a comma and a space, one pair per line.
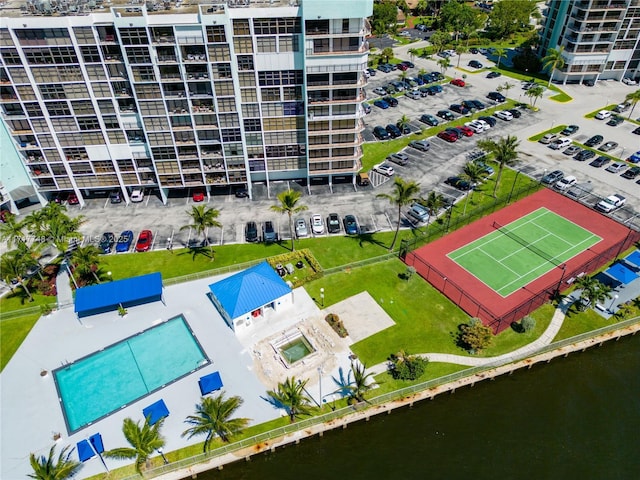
63, 287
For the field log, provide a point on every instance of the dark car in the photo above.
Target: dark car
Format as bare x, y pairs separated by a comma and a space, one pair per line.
426, 91
461, 109
496, 97
570, 130
366, 107
600, 161
124, 241
251, 232
459, 183
448, 136
490, 120
436, 88
405, 129
145, 240
269, 234
371, 71
408, 64
115, 197
241, 192
585, 155
615, 121
393, 131
446, 114
595, 140
632, 173
552, 177
351, 225
403, 67
494, 74
455, 131
381, 104
392, 101
515, 112
107, 241
475, 64
384, 68
636, 131
380, 133
429, 120
333, 223
72, 199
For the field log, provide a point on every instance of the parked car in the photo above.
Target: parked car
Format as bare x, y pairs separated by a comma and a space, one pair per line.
198, 195
504, 115
560, 143
381, 133
616, 167
145, 240
455, 131
115, 197
459, 109
448, 136
636, 131
552, 177
594, 141
488, 169
603, 114
381, 104
371, 71
393, 130
565, 183
494, 74
600, 161
404, 129
392, 101
629, 81
466, 131
426, 91
107, 241
429, 120
399, 86
489, 120
611, 203
548, 138
418, 212
367, 108
446, 114
399, 158
615, 120
251, 232
269, 234
584, 155
571, 150
317, 225
408, 64
436, 88
384, 68
475, 64
459, 183
301, 228
124, 241
622, 107
632, 173
515, 112
458, 82
475, 127
73, 199
413, 94
608, 146
634, 157
496, 97
351, 226
384, 169
137, 195
402, 66
333, 223
379, 91
570, 130
579, 190
477, 104
422, 145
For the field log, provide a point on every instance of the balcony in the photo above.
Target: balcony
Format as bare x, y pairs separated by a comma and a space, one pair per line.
363, 48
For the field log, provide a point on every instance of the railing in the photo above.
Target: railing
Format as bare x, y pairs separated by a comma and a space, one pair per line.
210, 273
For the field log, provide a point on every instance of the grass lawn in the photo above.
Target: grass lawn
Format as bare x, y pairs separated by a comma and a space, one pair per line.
595, 112
434, 370
13, 331
538, 136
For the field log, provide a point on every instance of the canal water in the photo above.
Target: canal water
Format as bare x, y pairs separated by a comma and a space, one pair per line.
575, 418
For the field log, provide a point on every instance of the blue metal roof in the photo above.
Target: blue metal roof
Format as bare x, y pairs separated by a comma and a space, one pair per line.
129, 291
249, 290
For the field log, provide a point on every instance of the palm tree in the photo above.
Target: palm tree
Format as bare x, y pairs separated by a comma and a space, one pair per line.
289, 205
553, 61
203, 218
413, 53
592, 291
403, 122
403, 76
144, 440
85, 261
505, 87
12, 231
434, 202
53, 226
460, 49
213, 417
361, 383
444, 63
505, 152
474, 174
44, 468
404, 192
15, 264
535, 93
499, 52
422, 71
387, 54
633, 98
290, 395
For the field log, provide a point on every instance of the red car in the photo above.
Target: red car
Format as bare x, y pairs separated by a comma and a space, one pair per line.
448, 136
144, 241
198, 196
72, 199
403, 67
458, 82
466, 130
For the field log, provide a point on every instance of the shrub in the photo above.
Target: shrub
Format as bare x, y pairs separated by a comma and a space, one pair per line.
334, 321
303, 255
475, 335
528, 323
406, 367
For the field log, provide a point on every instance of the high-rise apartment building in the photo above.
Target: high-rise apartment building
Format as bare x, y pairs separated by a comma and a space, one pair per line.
216, 93
601, 38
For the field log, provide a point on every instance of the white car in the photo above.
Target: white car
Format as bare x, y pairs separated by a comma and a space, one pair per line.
504, 115
548, 138
301, 228
476, 127
610, 203
379, 91
566, 182
414, 94
603, 114
137, 195
629, 81
560, 144
317, 225
384, 169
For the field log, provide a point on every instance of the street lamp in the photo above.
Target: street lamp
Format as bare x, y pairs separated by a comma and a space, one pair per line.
322, 296
615, 298
161, 452
320, 382
515, 179
109, 275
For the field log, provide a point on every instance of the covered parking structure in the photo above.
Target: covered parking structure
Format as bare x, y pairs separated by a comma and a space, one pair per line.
109, 296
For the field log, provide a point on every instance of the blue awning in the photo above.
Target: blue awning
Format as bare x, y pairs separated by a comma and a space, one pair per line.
634, 257
85, 451
127, 292
156, 412
621, 273
210, 383
96, 442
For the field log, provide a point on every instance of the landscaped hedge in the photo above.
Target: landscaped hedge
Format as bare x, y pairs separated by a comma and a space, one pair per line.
304, 256
337, 325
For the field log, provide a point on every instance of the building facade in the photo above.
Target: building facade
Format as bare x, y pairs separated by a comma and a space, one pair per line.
212, 94
601, 38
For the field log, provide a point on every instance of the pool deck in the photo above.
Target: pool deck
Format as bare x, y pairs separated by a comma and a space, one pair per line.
31, 413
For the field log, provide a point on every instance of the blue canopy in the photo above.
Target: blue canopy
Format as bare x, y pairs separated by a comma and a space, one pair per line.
127, 292
85, 451
210, 383
156, 411
96, 442
634, 257
621, 273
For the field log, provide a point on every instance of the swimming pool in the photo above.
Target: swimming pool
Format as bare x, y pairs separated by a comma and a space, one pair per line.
99, 384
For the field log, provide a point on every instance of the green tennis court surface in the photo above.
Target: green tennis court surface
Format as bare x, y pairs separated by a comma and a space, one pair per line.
514, 255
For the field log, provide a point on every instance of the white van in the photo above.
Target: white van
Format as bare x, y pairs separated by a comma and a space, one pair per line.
560, 144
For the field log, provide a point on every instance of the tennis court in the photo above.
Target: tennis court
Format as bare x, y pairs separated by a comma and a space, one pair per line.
514, 255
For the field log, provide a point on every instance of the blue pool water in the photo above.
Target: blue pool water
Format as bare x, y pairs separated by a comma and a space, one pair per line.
103, 382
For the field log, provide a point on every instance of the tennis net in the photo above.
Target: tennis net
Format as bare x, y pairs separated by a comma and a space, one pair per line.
505, 231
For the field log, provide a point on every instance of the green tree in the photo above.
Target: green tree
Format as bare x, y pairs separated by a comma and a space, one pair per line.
47, 468
12, 231
413, 53
473, 173
553, 61
402, 76
592, 291
362, 382
403, 122
384, 16
534, 93
507, 18
387, 54
403, 366
213, 416
404, 192
457, 17
422, 71
505, 87
633, 98
505, 153
15, 264
475, 336
434, 202
290, 395
51, 225
439, 40
528, 323
203, 218
144, 441
444, 64
86, 261
289, 204
460, 49
499, 52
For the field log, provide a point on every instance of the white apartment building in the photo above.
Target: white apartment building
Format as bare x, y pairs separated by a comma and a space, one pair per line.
223, 94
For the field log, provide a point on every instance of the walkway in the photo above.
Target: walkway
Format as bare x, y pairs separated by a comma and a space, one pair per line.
63, 287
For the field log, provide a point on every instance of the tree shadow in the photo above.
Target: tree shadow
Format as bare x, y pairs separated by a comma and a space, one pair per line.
364, 238
517, 327
198, 250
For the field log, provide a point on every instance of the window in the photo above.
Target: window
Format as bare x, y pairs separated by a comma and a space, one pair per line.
106, 106
224, 89
156, 123
229, 121
84, 35
251, 110
248, 95
270, 94
216, 34
19, 75
116, 137
11, 56
219, 53
52, 91
252, 125
138, 55
76, 90
162, 138
241, 27
134, 36
245, 62
101, 89
164, 153
96, 72
39, 125
266, 44
111, 122
85, 123
289, 43
221, 70
247, 79
152, 108
26, 92
292, 93
226, 105
231, 135
83, 108
90, 54
243, 45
